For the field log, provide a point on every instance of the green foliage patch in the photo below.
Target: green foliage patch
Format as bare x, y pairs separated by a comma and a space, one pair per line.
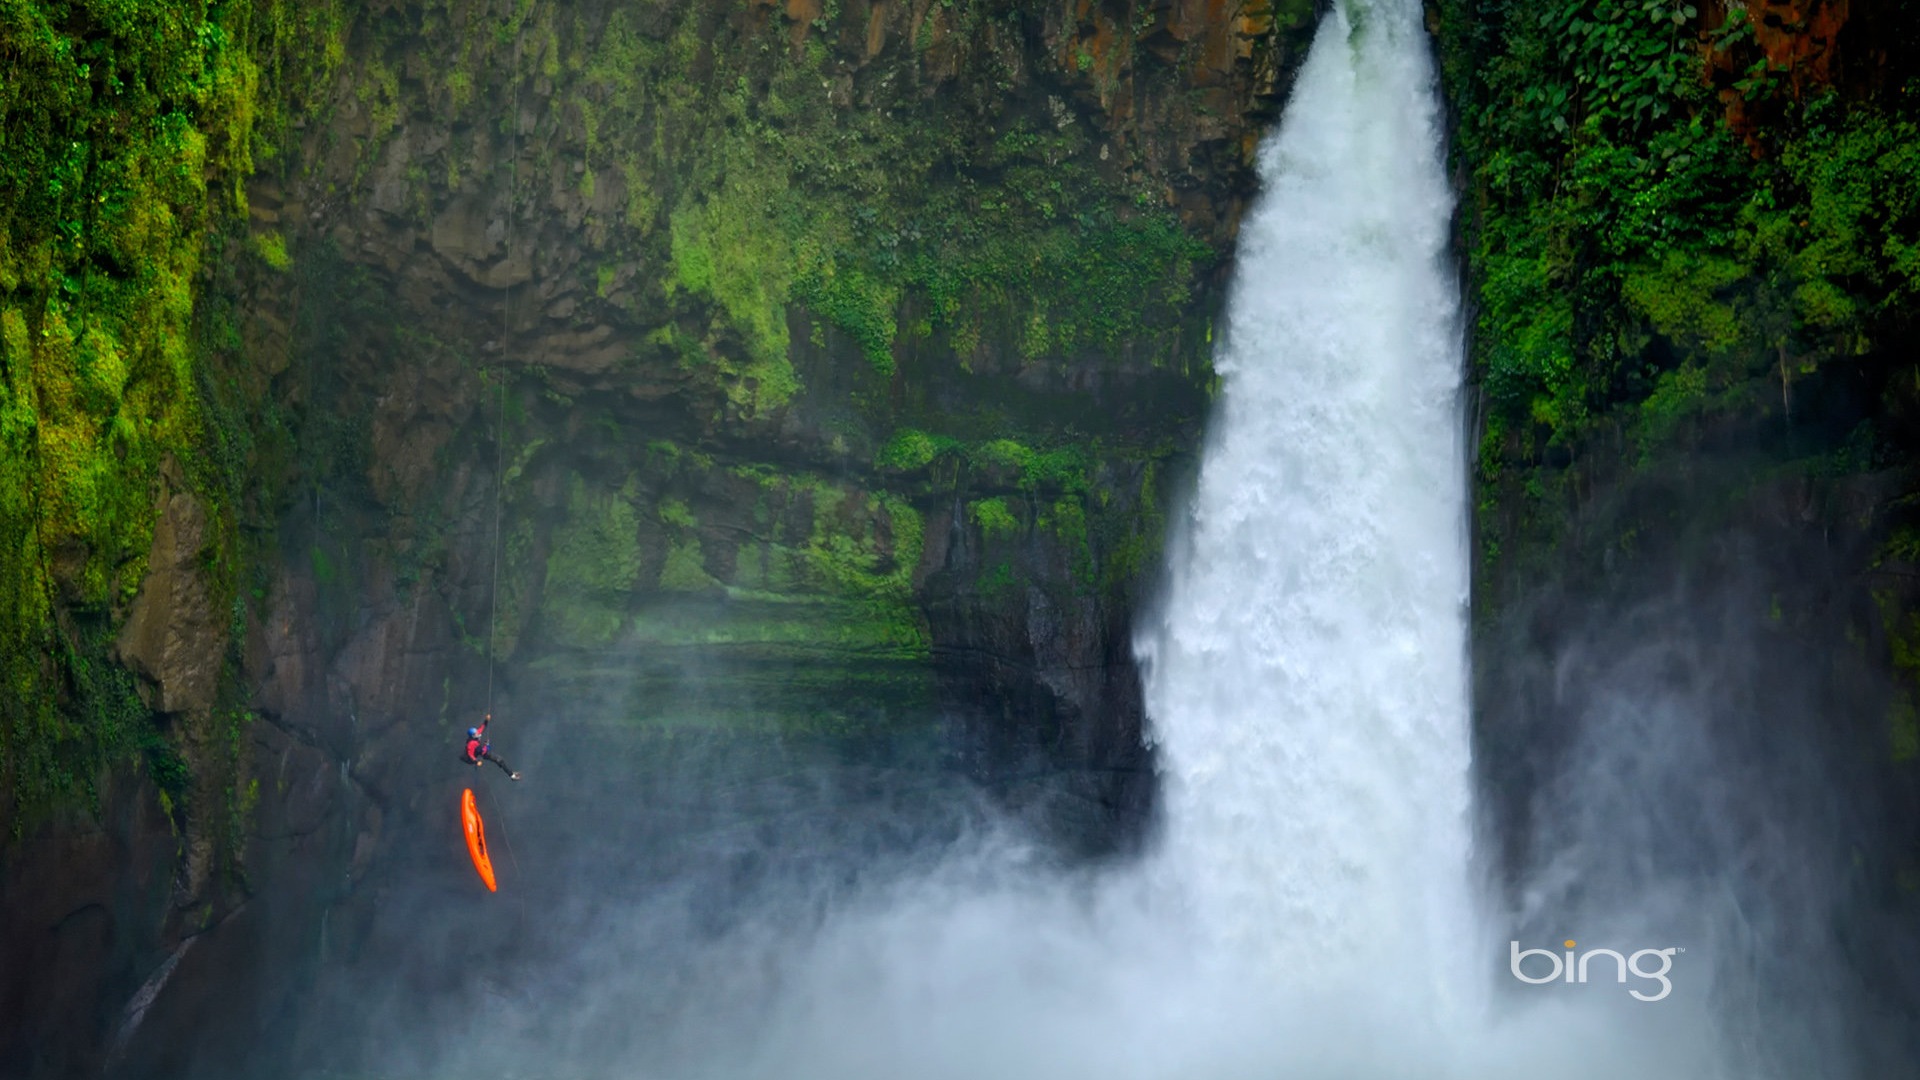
1621, 230
910, 450
126, 133
993, 517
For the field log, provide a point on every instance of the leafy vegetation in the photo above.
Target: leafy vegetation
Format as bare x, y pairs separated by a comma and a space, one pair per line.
126, 133
994, 518
1631, 248
910, 450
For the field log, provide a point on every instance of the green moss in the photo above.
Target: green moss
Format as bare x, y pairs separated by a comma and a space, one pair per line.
460, 87
1679, 299
521, 459
685, 568
1067, 520
845, 585
1134, 552
754, 191
857, 303
723, 249
993, 517
1902, 545
749, 567
593, 565
129, 131
1677, 395
911, 450
378, 88
240, 794
864, 548
836, 596
997, 581
272, 249
1063, 468
323, 571
674, 512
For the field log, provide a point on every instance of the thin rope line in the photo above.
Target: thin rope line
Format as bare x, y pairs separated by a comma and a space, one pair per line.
506, 332
500, 815
500, 812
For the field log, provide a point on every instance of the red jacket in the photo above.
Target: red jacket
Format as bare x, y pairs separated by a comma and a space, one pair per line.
477, 747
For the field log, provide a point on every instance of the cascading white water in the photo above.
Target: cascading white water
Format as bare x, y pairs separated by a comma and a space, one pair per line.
1306, 679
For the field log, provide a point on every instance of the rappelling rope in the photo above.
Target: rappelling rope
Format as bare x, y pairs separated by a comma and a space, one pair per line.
500, 440
499, 372
500, 815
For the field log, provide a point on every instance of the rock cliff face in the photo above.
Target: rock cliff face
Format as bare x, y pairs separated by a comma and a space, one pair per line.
863, 341
817, 371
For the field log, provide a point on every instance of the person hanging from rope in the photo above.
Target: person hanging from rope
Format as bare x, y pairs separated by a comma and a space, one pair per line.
479, 751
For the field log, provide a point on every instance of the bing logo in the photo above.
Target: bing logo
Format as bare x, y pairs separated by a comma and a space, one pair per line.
1572, 967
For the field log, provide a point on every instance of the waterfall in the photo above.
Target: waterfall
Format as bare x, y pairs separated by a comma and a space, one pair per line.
1306, 676
1306, 680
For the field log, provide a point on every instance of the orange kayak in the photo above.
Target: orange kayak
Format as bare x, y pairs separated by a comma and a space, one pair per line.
477, 838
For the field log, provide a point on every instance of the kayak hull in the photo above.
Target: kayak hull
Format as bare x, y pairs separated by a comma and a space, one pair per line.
477, 839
